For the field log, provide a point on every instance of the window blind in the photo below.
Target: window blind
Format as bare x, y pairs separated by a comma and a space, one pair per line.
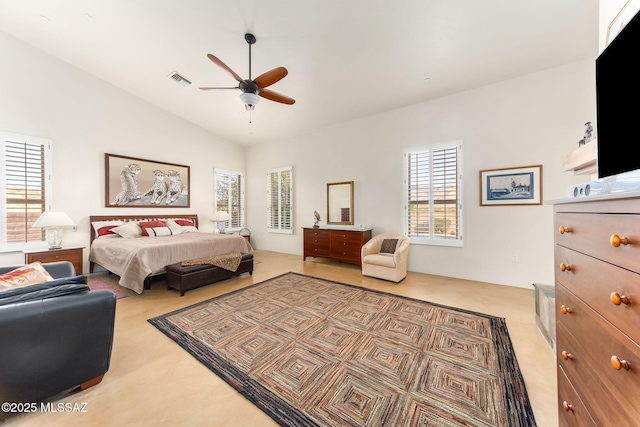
230, 196
280, 200
433, 206
25, 178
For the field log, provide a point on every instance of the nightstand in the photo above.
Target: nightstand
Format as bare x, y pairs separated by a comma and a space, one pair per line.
73, 255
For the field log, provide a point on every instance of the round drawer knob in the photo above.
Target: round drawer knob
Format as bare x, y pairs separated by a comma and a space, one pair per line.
564, 230
567, 356
565, 267
566, 310
616, 241
566, 406
618, 299
619, 364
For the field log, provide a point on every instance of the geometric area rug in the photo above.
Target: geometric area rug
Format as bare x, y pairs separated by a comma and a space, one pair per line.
309, 352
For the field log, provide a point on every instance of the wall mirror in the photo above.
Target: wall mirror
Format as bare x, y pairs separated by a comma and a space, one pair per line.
340, 203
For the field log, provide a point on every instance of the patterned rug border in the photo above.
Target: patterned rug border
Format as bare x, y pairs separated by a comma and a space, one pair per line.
516, 400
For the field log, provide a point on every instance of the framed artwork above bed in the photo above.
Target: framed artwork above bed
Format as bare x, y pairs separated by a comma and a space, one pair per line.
134, 182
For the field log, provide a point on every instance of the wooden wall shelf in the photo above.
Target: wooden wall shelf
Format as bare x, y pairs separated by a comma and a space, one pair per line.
583, 160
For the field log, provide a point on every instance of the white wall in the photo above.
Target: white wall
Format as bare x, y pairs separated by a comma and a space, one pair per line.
535, 119
86, 117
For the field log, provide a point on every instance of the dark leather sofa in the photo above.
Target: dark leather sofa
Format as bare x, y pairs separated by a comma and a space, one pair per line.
55, 336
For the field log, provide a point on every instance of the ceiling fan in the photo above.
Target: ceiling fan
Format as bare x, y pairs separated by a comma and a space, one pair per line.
253, 89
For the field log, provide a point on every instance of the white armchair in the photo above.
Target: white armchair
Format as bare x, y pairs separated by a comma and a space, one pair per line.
388, 262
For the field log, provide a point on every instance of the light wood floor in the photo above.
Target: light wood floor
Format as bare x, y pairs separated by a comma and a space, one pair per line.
154, 382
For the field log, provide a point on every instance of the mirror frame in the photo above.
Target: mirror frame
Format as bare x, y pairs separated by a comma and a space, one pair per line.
351, 213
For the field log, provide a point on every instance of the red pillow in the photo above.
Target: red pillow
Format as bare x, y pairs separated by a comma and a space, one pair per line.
151, 224
103, 231
183, 222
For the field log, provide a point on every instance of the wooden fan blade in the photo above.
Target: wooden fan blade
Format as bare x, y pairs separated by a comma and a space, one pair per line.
224, 66
215, 88
275, 96
271, 77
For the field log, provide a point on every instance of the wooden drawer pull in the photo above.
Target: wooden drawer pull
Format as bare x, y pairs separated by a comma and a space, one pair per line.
619, 364
567, 356
565, 267
566, 406
616, 241
618, 299
566, 310
564, 230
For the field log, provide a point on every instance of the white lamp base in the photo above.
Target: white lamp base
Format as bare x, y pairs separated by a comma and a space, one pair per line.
54, 237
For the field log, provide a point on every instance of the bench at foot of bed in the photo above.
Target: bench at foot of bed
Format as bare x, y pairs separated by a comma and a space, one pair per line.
184, 278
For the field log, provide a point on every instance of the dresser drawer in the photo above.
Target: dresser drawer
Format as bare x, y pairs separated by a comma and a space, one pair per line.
573, 412
602, 285
590, 343
346, 236
311, 233
346, 249
592, 233
580, 372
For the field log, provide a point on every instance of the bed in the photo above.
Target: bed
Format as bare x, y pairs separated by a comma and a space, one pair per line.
135, 259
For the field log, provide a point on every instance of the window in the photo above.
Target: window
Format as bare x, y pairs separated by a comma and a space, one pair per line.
433, 196
230, 197
25, 192
280, 200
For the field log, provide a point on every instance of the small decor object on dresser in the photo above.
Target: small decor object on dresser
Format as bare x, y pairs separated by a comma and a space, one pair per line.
588, 134
133, 182
316, 219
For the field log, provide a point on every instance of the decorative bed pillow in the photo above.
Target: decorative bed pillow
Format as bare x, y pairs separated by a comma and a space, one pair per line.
158, 231
151, 224
23, 276
389, 246
184, 222
97, 225
106, 231
128, 230
189, 229
175, 227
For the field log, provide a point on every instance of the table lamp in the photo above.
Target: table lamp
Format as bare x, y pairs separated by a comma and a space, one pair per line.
52, 222
221, 217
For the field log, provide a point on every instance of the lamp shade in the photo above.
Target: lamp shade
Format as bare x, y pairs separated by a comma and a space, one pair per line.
53, 219
221, 216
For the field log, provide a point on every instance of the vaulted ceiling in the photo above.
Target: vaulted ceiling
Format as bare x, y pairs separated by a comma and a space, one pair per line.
346, 59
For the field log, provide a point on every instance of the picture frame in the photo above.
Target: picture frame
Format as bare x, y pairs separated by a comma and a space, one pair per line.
134, 182
511, 186
627, 12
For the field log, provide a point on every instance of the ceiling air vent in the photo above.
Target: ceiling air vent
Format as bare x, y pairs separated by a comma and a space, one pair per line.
175, 76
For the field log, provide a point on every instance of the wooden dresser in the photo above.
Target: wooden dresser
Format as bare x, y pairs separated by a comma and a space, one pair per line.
597, 270
339, 244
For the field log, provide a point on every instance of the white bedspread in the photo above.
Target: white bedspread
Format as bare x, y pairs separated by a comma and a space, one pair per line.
135, 259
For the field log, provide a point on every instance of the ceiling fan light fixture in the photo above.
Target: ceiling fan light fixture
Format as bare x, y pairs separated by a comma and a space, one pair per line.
250, 99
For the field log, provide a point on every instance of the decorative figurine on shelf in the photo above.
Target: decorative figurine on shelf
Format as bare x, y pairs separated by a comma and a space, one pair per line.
316, 216
588, 134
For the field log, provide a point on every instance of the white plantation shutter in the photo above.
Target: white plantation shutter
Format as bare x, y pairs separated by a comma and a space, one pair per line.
230, 196
280, 200
25, 190
433, 182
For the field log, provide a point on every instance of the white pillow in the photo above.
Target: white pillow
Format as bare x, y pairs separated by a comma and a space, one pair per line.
189, 228
128, 230
175, 228
159, 231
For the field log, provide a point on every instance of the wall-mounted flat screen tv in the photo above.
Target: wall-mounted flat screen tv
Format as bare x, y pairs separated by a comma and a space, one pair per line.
618, 102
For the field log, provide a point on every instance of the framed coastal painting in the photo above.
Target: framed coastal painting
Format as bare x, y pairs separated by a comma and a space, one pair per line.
134, 182
628, 11
511, 186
